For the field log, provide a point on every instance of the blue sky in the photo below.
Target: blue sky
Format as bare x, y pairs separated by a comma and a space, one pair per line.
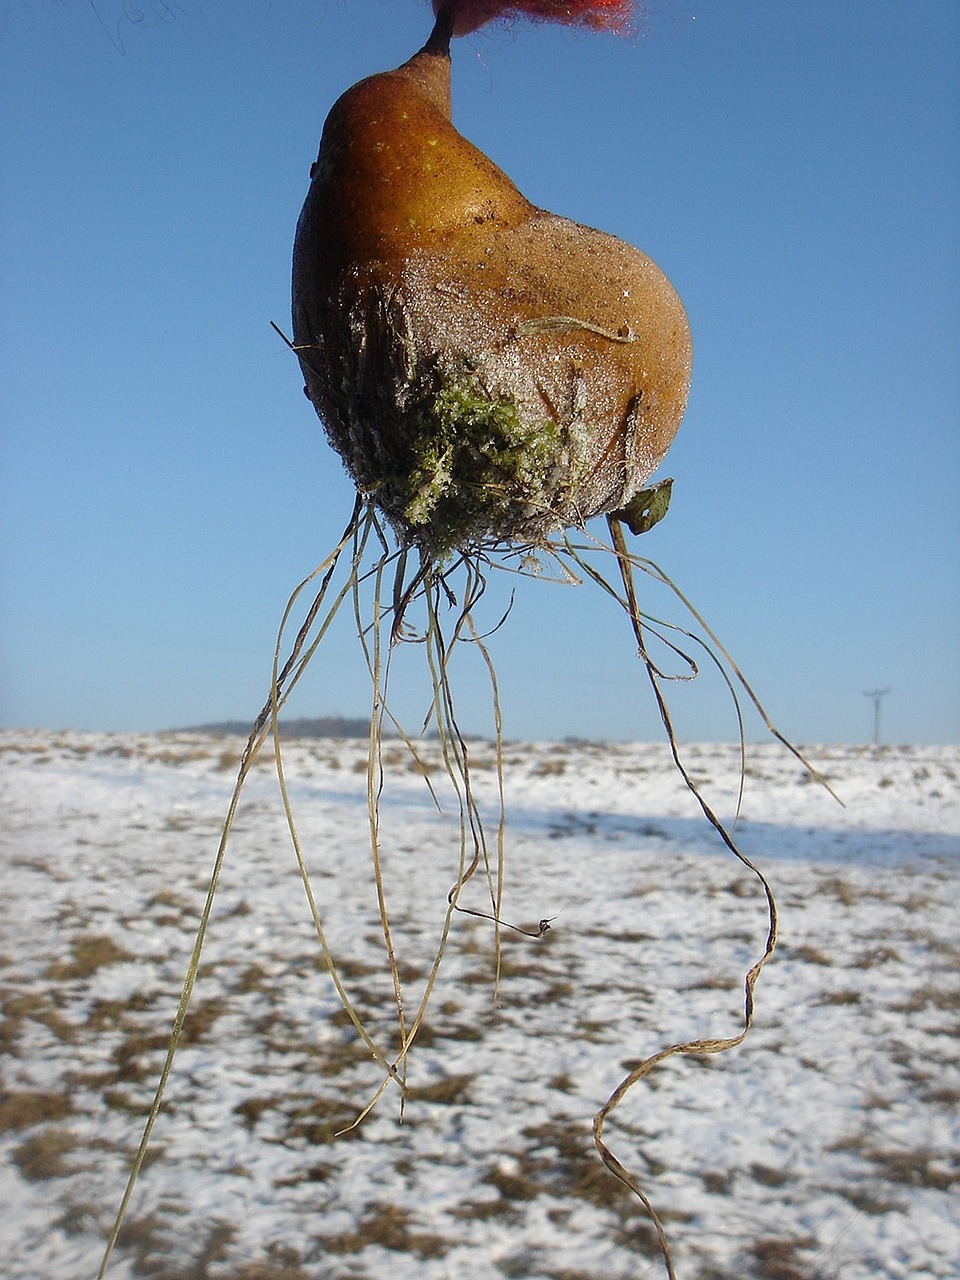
165, 485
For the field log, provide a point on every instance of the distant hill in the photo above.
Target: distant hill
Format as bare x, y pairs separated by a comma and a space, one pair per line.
319, 727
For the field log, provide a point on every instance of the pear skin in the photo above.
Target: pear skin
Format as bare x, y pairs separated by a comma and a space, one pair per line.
490, 372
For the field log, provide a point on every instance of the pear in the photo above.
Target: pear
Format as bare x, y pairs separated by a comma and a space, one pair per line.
489, 372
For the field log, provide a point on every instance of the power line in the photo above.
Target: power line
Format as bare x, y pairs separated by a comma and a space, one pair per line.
877, 695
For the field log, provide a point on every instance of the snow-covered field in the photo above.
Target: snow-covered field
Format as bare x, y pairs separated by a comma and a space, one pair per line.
828, 1146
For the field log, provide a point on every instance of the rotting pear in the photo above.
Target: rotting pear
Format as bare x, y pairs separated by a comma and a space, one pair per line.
488, 371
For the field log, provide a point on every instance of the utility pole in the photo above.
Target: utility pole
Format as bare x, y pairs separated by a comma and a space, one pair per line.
877, 695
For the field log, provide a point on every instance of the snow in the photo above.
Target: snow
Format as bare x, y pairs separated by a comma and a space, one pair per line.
827, 1145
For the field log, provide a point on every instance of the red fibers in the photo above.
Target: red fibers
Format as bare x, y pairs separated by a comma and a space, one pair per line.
602, 15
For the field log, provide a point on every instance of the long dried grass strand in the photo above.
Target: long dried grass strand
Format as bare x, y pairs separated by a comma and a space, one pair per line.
250, 751
689, 1047
328, 956
375, 790
496, 891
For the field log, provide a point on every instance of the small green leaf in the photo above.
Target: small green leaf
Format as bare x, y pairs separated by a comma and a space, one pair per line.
647, 508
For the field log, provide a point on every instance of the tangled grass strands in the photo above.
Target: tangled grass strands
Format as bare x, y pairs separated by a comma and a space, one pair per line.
495, 888
658, 574
431, 585
657, 626
530, 566
362, 525
686, 1048
284, 681
434, 607
474, 590
375, 779
712, 646
624, 601
282, 684
456, 766
453, 744
370, 637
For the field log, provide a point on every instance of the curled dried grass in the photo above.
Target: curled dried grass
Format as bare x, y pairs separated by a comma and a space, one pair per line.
368, 570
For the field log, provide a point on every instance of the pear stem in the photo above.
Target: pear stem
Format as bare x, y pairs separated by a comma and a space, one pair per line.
442, 33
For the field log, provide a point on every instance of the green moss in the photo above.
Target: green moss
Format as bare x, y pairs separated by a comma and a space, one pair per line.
473, 465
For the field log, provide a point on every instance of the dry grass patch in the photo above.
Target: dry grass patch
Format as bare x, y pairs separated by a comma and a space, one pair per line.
835, 887
917, 1167
807, 954
135, 1058
460, 1031
942, 1096
877, 955
549, 768
511, 1182
845, 996
717, 1182
23, 1007
201, 1018
779, 1259
90, 952
105, 1015
167, 907
769, 1175
148, 1240
300, 1119
930, 996
561, 1161
44, 1154
21, 1109
447, 1092
869, 1200
390, 1227
714, 982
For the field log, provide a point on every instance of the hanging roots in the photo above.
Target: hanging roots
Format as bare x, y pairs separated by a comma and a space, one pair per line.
389, 589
